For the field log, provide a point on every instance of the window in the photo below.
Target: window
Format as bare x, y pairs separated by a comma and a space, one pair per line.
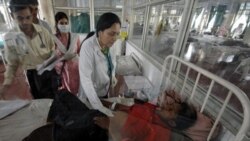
213, 45
242, 16
103, 6
137, 22
78, 13
164, 22
137, 27
98, 13
2, 19
5, 25
108, 4
70, 3
139, 2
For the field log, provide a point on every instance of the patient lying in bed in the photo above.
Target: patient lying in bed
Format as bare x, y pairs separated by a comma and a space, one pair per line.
147, 122
140, 122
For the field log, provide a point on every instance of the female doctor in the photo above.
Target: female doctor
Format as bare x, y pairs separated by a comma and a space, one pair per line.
95, 64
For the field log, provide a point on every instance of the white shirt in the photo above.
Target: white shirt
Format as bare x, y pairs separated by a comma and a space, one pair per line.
94, 78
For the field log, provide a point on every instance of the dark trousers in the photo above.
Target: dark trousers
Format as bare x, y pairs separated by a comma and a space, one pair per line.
42, 86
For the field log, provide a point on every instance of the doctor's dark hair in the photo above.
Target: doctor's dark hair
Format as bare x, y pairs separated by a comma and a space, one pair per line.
18, 5
90, 34
106, 21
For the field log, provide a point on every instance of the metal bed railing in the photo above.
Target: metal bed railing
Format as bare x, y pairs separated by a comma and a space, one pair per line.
171, 72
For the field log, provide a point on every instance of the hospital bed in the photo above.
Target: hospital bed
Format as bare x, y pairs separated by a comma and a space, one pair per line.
199, 86
192, 82
20, 117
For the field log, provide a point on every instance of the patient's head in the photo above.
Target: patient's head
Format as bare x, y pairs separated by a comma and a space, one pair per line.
175, 112
169, 103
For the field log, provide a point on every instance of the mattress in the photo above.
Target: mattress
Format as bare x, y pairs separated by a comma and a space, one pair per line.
23, 121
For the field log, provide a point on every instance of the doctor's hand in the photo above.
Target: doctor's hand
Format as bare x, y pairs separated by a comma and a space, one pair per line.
106, 111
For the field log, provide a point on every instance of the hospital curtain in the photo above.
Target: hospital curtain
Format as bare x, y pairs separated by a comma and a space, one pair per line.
80, 23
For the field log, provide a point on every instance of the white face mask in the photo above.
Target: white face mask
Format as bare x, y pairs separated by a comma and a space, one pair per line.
63, 28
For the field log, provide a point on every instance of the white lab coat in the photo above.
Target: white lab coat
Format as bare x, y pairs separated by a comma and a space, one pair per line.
94, 79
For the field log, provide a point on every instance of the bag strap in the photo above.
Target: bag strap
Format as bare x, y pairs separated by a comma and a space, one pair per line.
68, 44
81, 43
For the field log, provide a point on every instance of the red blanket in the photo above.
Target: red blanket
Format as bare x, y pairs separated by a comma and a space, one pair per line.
140, 127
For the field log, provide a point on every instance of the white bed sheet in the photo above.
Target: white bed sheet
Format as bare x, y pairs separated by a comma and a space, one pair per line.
9, 106
20, 124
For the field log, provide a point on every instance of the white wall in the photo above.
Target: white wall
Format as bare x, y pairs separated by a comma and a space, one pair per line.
151, 71
46, 11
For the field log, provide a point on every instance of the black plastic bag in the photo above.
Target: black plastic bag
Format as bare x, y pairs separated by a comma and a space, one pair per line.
73, 121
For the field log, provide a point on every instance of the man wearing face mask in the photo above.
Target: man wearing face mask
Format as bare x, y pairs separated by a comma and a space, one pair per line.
68, 50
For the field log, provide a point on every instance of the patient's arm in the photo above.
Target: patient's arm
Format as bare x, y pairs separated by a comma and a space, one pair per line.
116, 124
113, 124
118, 107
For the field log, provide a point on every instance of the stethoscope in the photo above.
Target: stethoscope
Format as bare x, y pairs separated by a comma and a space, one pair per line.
42, 45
